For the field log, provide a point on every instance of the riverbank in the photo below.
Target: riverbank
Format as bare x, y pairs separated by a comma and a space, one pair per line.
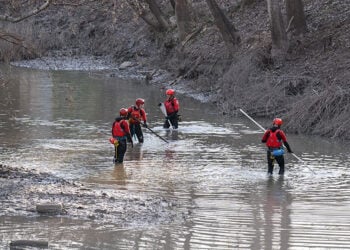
310, 90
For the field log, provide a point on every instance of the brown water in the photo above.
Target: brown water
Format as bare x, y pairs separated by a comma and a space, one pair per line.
213, 166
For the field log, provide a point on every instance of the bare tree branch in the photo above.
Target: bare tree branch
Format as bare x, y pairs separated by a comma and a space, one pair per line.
11, 38
16, 40
31, 13
80, 3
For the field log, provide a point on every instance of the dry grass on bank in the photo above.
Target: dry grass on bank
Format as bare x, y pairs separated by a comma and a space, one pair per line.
326, 113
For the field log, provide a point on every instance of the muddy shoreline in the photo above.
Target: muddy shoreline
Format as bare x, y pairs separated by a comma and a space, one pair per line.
22, 190
125, 70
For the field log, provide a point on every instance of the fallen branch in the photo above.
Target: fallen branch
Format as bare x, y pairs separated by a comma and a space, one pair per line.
191, 35
29, 14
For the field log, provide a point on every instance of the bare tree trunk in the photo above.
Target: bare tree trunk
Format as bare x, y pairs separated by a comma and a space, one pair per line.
278, 32
296, 16
183, 18
141, 9
158, 14
114, 11
228, 31
172, 2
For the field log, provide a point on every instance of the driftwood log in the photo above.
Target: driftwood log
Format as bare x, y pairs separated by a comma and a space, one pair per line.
49, 208
20, 244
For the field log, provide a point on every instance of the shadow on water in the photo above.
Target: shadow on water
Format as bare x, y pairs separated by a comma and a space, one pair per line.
213, 169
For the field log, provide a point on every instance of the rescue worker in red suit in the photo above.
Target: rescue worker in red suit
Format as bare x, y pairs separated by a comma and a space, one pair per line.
172, 108
275, 138
120, 133
136, 115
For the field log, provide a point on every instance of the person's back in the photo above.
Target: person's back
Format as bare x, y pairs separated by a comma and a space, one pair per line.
275, 138
136, 115
120, 127
172, 107
120, 133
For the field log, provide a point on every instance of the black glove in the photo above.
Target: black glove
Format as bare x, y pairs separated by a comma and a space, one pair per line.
145, 125
288, 147
179, 118
159, 104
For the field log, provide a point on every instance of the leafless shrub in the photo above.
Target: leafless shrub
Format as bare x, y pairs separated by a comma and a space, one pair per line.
13, 45
325, 113
248, 85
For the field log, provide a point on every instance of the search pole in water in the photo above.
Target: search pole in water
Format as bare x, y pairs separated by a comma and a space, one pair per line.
262, 128
150, 130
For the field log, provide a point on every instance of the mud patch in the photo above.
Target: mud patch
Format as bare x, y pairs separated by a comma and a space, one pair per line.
22, 189
84, 63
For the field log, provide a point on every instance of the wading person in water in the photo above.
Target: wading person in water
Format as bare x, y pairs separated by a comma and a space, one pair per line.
274, 139
172, 108
120, 133
137, 114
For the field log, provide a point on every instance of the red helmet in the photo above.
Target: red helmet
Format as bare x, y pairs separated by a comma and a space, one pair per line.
170, 92
277, 121
123, 112
139, 102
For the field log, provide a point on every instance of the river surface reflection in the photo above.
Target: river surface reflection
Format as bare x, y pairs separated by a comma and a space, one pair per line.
214, 166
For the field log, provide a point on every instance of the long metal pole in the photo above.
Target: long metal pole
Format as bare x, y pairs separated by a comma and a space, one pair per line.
151, 130
262, 128
157, 135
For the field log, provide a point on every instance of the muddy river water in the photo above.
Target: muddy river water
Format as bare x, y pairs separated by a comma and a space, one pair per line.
213, 170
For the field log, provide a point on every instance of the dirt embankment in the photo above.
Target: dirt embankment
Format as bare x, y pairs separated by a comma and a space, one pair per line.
310, 90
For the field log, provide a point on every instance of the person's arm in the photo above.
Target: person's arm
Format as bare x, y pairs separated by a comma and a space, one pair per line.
176, 105
130, 139
129, 113
288, 147
144, 118
112, 129
284, 139
265, 136
127, 132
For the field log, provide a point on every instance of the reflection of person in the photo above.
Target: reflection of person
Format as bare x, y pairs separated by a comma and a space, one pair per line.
172, 135
120, 132
278, 201
274, 139
119, 174
137, 114
169, 154
172, 108
136, 153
